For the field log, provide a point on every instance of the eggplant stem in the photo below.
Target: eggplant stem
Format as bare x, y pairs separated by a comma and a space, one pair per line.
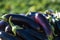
14, 27
3, 17
11, 24
50, 37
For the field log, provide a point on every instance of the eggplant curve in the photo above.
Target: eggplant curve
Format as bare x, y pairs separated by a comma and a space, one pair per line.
37, 35
3, 24
25, 35
23, 20
6, 36
39, 18
8, 29
58, 24
57, 27
31, 15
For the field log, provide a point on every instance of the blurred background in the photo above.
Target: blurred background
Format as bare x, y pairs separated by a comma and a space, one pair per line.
24, 6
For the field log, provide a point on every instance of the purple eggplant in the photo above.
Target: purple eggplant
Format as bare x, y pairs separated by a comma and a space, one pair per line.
25, 35
45, 25
37, 35
31, 15
23, 20
57, 27
3, 24
32, 34
39, 18
6, 36
8, 29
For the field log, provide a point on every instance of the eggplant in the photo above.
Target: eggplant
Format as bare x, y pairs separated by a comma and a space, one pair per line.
58, 24
37, 35
57, 27
31, 15
19, 37
25, 35
39, 18
57, 38
23, 20
6, 36
3, 24
8, 29
31, 34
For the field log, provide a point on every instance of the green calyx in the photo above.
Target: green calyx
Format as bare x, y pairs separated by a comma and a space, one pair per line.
14, 27
4, 18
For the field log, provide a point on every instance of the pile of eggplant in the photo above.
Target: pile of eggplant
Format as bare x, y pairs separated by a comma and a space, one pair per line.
34, 26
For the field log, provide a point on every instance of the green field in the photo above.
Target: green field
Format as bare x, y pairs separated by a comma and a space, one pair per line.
24, 6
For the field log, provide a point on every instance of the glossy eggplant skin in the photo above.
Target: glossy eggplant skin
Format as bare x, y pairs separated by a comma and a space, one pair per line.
8, 29
3, 24
30, 34
57, 27
31, 15
25, 35
37, 35
6, 36
58, 24
39, 18
23, 20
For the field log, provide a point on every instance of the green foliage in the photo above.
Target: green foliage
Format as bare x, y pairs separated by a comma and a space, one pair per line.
23, 6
